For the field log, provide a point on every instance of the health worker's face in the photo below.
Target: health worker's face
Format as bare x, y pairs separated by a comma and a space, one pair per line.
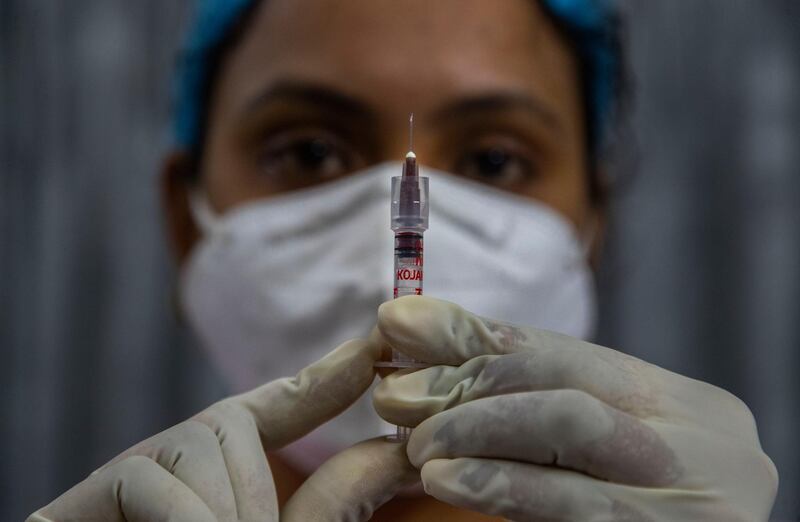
318, 89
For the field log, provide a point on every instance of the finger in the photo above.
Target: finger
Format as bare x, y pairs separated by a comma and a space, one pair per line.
565, 428
377, 339
530, 492
135, 489
190, 452
353, 483
287, 409
408, 398
439, 332
247, 467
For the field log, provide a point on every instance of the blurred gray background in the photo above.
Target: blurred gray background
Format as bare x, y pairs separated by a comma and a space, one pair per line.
701, 275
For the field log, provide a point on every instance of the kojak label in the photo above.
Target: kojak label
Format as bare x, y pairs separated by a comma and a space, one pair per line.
408, 281
409, 274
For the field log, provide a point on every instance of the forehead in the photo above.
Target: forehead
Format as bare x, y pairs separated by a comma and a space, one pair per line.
403, 55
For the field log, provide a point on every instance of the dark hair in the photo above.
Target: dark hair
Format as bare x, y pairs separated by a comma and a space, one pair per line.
599, 134
216, 60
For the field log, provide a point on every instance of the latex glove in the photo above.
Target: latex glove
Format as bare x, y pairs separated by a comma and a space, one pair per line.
213, 466
535, 425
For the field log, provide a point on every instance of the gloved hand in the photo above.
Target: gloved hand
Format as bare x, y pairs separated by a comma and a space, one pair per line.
212, 467
535, 425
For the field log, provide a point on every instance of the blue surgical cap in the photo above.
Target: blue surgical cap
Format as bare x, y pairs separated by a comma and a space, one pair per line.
590, 25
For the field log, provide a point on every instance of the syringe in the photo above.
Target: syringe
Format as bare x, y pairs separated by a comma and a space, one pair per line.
409, 221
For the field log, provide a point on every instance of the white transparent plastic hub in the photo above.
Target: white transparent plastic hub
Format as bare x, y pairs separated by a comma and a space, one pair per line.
410, 208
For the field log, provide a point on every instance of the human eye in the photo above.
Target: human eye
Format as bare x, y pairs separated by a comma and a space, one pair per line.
502, 162
304, 156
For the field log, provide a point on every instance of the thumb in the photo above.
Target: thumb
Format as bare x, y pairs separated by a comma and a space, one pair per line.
286, 409
353, 484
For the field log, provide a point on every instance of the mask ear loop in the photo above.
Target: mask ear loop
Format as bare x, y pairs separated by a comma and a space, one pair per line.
202, 213
591, 239
208, 222
587, 238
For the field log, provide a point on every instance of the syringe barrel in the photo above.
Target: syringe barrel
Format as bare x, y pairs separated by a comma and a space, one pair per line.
409, 203
409, 220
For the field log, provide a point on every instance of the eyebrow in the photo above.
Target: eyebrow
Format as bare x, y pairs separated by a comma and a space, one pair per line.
321, 96
498, 102
343, 105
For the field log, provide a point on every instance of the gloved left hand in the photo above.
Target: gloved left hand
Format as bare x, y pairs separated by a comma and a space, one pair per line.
212, 467
534, 425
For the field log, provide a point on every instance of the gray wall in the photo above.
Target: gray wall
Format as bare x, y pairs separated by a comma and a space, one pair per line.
703, 271
92, 358
702, 274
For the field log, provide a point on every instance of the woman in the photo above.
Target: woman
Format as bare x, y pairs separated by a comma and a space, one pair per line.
291, 118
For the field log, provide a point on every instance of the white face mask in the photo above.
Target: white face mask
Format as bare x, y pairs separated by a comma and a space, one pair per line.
278, 283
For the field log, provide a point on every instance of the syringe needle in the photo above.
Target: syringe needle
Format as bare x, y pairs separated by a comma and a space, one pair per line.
410, 166
411, 132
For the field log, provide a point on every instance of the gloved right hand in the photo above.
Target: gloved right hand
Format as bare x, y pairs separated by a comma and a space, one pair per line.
213, 467
535, 425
